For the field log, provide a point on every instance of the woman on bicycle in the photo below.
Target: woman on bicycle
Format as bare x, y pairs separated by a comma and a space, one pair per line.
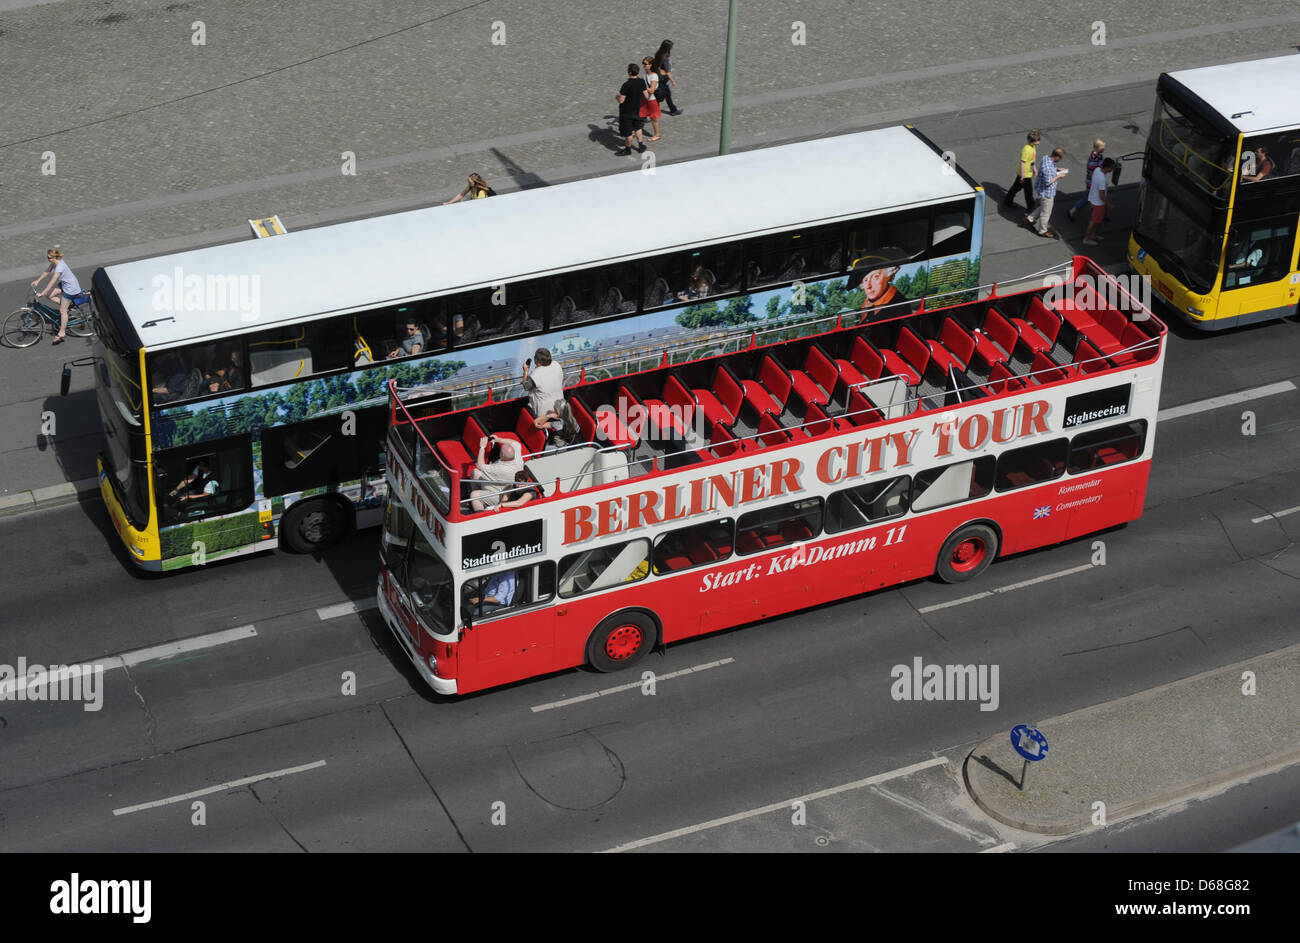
63, 287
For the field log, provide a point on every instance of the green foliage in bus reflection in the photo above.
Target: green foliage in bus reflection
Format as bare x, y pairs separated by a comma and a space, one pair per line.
218, 535
255, 411
733, 312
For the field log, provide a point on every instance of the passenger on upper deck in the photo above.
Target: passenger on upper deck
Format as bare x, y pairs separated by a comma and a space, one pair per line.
700, 286
496, 474
544, 382
561, 428
1263, 167
413, 344
525, 490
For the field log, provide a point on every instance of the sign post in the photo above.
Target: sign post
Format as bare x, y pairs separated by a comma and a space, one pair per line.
1030, 744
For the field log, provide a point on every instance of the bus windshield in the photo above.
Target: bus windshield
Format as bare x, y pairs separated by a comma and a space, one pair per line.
1202, 154
1177, 229
419, 572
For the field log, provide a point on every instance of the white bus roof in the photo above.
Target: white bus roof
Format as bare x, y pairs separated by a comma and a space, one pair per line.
1263, 95
389, 259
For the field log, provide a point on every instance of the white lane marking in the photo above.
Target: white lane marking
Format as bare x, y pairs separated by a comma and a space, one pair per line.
1275, 515
1005, 846
1006, 589
968, 833
781, 806
233, 784
1214, 402
199, 642
632, 684
346, 608
136, 657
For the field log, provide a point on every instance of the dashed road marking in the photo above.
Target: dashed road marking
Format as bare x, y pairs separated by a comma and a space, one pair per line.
1005, 589
233, 784
631, 685
781, 806
1229, 399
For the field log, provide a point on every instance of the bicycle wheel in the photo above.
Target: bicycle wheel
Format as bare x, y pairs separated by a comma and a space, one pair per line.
23, 328
81, 320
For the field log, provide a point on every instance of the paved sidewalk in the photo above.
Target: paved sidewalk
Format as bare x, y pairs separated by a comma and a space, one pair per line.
1147, 750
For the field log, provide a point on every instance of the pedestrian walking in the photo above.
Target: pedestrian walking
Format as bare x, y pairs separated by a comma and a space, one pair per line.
1100, 201
1045, 182
1025, 172
650, 107
663, 65
630, 96
1094, 161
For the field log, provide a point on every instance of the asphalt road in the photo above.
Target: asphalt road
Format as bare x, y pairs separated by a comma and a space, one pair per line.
788, 708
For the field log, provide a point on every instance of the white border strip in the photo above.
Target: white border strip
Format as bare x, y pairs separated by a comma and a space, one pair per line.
1006, 589
233, 784
779, 806
631, 684
1214, 402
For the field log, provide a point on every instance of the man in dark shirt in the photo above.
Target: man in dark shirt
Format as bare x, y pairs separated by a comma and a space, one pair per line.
630, 97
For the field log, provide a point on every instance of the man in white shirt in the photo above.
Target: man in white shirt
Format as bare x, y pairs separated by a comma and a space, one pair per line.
544, 381
1099, 201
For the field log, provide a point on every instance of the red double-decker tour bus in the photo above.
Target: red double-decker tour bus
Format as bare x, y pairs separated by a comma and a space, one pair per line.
723, 490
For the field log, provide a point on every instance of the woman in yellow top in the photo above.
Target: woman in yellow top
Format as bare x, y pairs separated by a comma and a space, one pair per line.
477, 190
1025, 172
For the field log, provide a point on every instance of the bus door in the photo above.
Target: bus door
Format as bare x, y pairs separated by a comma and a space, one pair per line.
510, 624
204, 494
1260, 272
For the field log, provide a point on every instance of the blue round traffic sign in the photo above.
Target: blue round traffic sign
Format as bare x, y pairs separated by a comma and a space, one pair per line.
1029, 742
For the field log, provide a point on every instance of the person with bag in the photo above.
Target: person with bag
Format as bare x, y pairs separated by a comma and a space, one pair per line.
663, 66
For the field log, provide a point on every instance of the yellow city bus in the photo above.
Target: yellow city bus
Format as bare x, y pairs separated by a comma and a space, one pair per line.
1220, 201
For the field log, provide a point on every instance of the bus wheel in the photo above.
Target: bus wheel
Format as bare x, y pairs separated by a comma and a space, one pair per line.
620, 641
313, 526
967, 553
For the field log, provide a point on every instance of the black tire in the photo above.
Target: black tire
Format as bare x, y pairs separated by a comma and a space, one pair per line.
81, 320
621, 640
23, 328
313, 526
967, 553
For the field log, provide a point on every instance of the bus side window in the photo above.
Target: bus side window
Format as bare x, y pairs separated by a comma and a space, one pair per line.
1110, 446
866, 504
937, 487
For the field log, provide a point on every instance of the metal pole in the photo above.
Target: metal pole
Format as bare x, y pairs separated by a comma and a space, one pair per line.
1024, 771
729, 69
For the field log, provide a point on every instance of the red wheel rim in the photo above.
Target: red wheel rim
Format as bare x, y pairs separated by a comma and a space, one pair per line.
968, 554
623, 642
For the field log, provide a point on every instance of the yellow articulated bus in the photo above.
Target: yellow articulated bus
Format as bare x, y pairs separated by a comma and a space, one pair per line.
1220, 201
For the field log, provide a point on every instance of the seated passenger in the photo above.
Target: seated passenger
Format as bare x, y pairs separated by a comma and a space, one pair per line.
500, 590
699, 287
561, 428
224, 372
495, 474
525, 490
412, 345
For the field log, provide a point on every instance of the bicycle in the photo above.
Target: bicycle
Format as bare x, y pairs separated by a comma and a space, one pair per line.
26, 326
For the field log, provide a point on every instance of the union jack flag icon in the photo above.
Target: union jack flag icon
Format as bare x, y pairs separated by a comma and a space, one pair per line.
1044, 511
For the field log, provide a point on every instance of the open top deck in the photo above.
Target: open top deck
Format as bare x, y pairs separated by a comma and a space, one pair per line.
854, 376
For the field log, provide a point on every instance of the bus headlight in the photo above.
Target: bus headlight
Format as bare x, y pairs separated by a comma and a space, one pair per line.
433, 663
1195, 312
